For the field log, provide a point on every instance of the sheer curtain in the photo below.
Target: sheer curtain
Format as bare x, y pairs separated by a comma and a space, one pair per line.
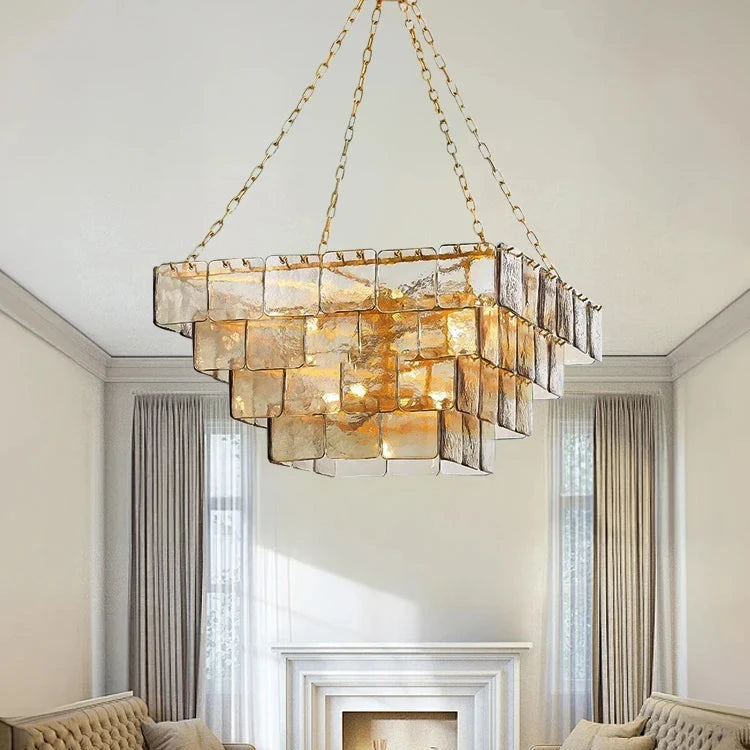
570, 575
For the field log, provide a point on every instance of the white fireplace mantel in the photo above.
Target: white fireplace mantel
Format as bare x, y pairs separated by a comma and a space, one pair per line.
478, 681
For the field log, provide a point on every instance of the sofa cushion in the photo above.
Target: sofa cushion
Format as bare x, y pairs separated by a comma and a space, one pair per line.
624, 743
191, 734
585, 732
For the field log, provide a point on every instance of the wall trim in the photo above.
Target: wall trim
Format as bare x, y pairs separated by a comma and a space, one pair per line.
25, 309
731, 323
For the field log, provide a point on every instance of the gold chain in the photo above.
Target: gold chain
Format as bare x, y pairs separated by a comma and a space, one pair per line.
483, 148
449, 143
273, 147
349, 135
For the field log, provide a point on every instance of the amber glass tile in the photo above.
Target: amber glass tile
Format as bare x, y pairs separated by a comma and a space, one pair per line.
331, 334
352, 436
275, 343
425, 384
530, 280
368, 384
296, 438
556, 369
564, 311
256, 394
314, 389
526, 346
471, 442
410, 434
488, 392
291, 285
595, 332
547, 301
467, 384
506, 410
448, 333
510, 289
406, 279
235, 289
508, 324
218, 345
524, 406
180, 294
466, 275
347, 281
451, 436
397, 333
489, 333
541, 360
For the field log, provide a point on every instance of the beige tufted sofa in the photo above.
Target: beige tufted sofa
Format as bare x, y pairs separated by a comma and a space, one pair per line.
110, 723
681, 724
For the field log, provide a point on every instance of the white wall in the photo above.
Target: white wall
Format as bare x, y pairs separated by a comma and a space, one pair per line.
51, 496
713, 447
393, 559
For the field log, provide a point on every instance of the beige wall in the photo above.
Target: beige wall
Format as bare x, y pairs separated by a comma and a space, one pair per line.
51, 497
713, 448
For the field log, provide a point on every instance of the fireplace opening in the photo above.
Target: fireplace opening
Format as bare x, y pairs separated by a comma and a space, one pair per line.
404, 730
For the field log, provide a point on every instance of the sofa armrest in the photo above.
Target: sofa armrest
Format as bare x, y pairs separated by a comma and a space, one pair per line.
237, 746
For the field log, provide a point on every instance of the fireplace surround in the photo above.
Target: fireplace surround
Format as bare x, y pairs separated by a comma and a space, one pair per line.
480, 682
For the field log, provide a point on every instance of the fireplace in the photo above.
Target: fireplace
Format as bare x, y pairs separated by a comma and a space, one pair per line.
331, 688
410, 730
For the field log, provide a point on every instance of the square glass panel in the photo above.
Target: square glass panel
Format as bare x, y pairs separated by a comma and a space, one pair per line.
510, 288
451, 436
530, 290
488, 393
489, 334
292, 285
425, 384
556, 368
472, 441
365, 467
466, 275
508, 324
275, 343
406, 280
580, 324
448, 333
410, 434
219, 345
467, 384
368, 384
506, 410
296, 438
347, 281
487, 447
541, 360
352, 435
396, 333
526, 347
524, 405
256, 394
564, 311
547, 301
314, 389
235, 289
595, 331
331, 334
180, 294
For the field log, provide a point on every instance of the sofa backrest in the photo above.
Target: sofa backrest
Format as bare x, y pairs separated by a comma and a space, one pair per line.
678, 723
112, 723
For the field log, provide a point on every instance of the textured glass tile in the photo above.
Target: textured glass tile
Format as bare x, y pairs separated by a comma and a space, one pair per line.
510, 291
235, 289
466, 275
580, 324
488, 393
467, 384
275, 343
448, 333
525, 364
595, 332
347, 281
524, 406
180, 294
489, 334
451, 436
256, 394
366, 467
314, 389
410, 434
508, 340
541, 360
397, 333
219, 345
487, 447
547, 301
296, 438
472, 441
425, 384
291, 285
406, 279
405, 467
530, 281
352, 435
556, 369
564, 311
506, 410
368, 384
331, 334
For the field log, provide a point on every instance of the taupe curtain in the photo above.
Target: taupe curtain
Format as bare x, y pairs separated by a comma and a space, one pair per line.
166, 583
625, 488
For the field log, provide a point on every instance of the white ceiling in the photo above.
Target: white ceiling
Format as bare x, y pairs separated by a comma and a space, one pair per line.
622, 127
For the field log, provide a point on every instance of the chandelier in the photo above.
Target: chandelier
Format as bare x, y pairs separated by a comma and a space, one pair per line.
398, 361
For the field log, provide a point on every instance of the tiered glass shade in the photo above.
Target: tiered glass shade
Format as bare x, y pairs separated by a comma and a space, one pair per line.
400, 362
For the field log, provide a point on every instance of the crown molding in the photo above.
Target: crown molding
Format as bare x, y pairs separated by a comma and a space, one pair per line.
31, 313
154, 370
622, 369
731, 323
